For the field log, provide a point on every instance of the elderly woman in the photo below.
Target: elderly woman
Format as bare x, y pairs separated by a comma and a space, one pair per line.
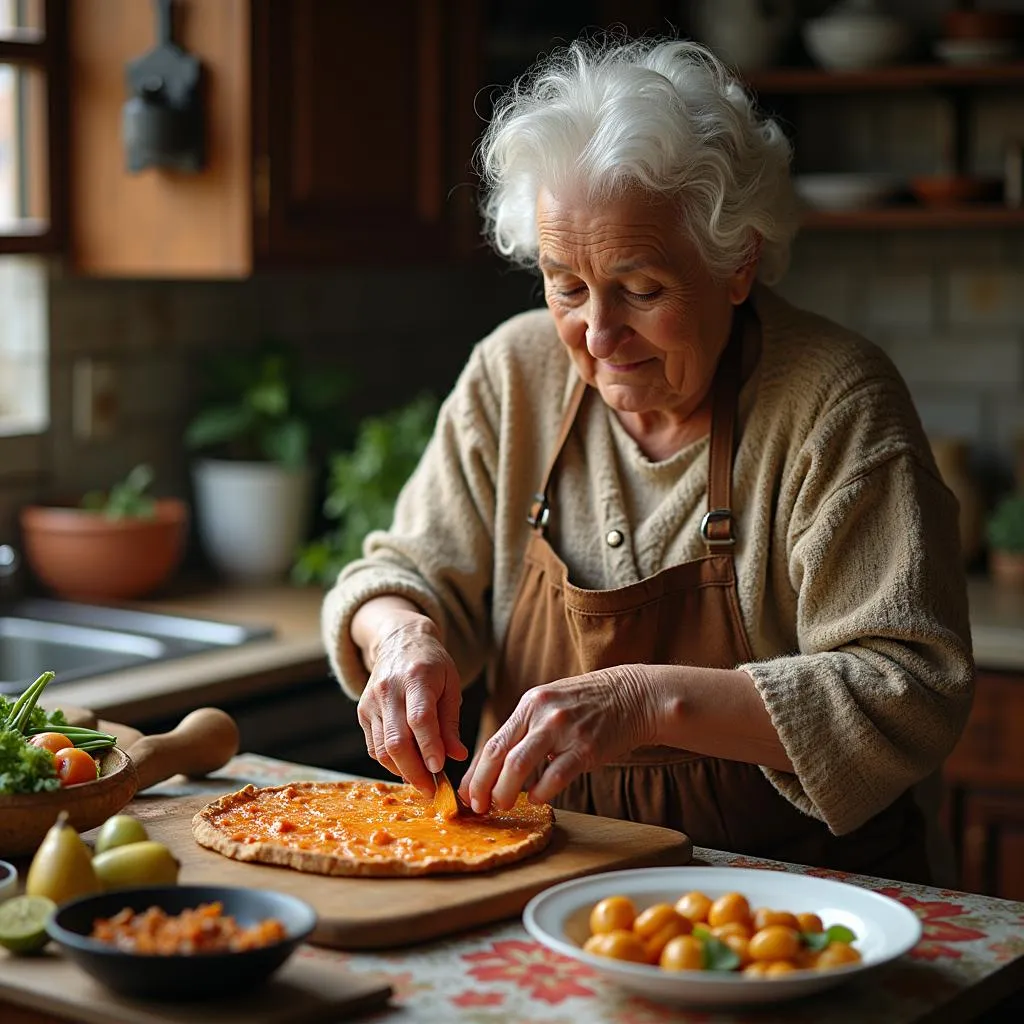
693, 535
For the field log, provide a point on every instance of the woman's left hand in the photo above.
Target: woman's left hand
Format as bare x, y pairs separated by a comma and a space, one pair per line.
565, 728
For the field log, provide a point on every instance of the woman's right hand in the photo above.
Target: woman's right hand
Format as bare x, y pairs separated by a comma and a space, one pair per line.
409, 710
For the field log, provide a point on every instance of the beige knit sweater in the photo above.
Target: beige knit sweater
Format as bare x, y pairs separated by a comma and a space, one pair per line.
849, 576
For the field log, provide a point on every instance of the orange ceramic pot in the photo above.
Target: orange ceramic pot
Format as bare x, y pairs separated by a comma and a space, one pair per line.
84, 556
1006, 568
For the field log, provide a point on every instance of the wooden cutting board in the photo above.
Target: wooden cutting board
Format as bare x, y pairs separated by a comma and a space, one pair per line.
303, 991
374, 913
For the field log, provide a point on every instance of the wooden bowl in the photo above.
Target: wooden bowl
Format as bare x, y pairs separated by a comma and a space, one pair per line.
982, 25
26, 817
952, 189
84, 556
203, 741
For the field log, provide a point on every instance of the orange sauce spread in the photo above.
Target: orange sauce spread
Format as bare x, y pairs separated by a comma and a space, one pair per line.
374, 821
202, 930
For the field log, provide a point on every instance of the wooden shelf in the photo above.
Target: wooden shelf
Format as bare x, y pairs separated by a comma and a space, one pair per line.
899, 77
882, 217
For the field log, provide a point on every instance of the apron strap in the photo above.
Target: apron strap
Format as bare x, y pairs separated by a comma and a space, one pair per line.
540, 510
716, 528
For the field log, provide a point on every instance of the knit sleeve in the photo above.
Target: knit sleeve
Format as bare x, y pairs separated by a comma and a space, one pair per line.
881, 686
439, 550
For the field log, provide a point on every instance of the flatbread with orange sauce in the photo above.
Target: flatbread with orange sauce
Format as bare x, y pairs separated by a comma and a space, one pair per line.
366, 828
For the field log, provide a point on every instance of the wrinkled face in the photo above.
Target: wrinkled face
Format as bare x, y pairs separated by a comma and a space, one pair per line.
644, 321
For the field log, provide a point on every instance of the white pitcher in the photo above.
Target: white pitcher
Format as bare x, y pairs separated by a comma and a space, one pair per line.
748, 34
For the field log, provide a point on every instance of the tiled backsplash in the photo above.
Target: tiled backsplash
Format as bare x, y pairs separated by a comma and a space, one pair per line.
947, 305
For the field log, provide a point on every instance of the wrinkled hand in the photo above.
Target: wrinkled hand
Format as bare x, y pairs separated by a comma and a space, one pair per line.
409, 710
565, 728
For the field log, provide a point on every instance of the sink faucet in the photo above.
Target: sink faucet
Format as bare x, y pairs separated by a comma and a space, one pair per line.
10, 563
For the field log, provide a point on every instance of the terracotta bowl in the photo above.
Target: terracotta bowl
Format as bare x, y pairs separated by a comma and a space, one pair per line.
984, 25
952, 189
84, 556
26, 817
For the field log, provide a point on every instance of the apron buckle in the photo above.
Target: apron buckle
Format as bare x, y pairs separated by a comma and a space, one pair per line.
540, 512
717, 515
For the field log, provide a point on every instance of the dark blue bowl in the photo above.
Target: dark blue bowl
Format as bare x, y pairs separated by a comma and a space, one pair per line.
180, 976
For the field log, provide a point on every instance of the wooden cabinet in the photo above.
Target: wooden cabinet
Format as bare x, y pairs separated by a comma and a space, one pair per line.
363, 126
338, 133
985, 789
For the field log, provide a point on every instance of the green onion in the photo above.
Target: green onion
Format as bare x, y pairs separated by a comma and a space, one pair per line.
18, 716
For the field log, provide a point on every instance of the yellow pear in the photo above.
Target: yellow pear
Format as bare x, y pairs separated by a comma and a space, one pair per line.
144, 863
62, 868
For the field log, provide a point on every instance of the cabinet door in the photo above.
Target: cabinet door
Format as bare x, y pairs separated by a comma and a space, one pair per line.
985, 789
355, 129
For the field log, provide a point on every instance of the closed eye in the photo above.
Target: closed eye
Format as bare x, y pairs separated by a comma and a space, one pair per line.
644, 296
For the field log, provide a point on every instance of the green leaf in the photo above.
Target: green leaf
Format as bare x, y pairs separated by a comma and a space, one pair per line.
717, 955
287, 443
25, 768
818, 941
219, 425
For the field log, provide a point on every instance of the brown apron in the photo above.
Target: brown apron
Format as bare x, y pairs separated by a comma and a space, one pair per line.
687, 614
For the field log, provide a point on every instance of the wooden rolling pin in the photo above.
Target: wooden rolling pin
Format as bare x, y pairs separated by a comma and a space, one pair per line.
203, 741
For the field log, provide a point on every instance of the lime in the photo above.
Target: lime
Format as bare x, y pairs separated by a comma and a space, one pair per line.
23, 923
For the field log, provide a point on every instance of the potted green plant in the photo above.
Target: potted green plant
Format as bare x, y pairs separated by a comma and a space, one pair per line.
262, 417
1005, 531
114, 545
363, 485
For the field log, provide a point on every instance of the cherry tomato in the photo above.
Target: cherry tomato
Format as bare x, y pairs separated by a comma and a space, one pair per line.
809, 923
611, 914
695, 906
776, 942
765, 916
730, 907
683, 953
776, 967
75, 766
836, 954
617, 945
51, 741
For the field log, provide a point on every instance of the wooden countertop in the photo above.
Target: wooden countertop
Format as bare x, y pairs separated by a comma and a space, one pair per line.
293, 654
997, 625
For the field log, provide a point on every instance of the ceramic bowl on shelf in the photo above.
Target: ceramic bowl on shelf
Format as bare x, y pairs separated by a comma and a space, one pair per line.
846, 191
885, 929
855, 37
973, 52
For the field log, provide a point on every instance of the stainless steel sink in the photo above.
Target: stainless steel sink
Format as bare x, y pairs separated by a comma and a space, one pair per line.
79, 640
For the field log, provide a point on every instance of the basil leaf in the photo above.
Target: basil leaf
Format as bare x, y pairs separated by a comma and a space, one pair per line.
818, 941
717, 955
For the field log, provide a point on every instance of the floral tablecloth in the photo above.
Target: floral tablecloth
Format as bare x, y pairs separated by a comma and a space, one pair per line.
499, 975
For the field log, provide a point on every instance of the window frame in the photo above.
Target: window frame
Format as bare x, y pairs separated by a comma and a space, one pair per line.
48, 55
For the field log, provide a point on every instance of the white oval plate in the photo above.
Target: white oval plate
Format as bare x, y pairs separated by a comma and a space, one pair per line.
885, 929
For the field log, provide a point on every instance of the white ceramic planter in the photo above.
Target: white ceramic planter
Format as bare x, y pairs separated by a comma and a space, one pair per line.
251, 516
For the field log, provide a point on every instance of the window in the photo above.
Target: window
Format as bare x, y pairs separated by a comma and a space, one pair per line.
32, 45
32, 62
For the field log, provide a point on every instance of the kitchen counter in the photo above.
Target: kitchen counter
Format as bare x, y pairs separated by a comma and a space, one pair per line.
970, 957
997, 625
293, 654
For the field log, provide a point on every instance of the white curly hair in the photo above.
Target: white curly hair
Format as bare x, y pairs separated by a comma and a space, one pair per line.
664, 116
